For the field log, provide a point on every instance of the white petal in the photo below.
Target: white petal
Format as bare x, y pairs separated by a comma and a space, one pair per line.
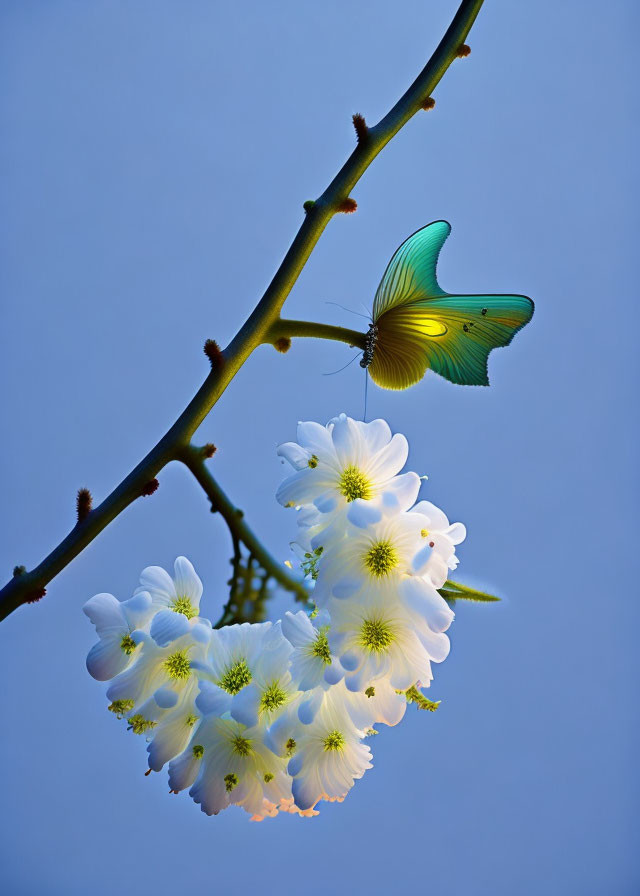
210, 792
420, 560
138, 609
350, 661
327, 502
104, 611
106, 660
309, 707
295, 765
457, 532
292, 452
438, 520
346, 588
333, 673
401, 492
168, 741
363, 513
166, 698
297, 628
200, 630
212, 700
183, 770
316, 439
391, 459
347, 441
390, 707
358, 680
437, 571
166, 626
187, 582
245, 706
376, 434
158, 583
436, 644
305, 791
420, 596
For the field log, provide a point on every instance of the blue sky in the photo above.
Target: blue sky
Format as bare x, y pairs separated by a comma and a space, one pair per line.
154, 161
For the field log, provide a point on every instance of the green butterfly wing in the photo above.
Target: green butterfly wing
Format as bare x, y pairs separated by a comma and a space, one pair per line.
420, 326
411, 273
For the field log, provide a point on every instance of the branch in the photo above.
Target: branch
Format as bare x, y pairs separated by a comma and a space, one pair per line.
193, 459
287, 328
28, 586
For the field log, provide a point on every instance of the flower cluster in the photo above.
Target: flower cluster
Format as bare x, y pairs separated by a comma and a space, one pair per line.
274, 716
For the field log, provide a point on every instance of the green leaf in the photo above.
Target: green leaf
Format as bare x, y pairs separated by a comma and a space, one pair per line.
453, 591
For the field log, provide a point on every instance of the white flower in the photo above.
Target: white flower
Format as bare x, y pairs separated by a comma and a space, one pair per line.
372, 556
344, 461
166, 721
327, 755
181, 593
115, 623
233, 767
271, 687
380, 639
230, 664
441, 538
160, 672
311, 664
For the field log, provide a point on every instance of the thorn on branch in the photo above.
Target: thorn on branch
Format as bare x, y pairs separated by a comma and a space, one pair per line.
83, 504
149, 488
208, 450
463, 50
213, 353
36, 595
282, 344
362, 131
308, 205
428, 103
348, 206
19, 570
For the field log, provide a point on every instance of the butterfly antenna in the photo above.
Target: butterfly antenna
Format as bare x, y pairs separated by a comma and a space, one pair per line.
366, 383
350, 310
368, 315
340, 369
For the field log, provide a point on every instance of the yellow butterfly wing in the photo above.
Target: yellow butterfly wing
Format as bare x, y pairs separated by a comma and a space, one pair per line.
420, 326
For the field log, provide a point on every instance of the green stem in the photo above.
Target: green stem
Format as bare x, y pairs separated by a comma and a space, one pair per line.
24, 587
308, 328
193, 458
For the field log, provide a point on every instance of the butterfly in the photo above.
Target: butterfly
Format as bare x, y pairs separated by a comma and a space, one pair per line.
416, 325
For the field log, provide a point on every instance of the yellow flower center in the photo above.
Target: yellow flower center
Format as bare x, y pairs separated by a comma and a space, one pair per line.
354, 484
241, 745
334, 741
178, 666
375, 635
381, 559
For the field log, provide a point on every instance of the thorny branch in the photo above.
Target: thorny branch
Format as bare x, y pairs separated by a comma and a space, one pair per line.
262, 326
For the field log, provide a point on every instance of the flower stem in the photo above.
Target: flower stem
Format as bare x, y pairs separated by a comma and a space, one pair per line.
193, 459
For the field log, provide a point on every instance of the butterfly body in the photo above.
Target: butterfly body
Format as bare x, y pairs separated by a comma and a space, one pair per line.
369, 346
418, 326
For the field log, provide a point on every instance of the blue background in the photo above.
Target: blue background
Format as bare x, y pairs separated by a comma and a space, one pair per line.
154, 161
